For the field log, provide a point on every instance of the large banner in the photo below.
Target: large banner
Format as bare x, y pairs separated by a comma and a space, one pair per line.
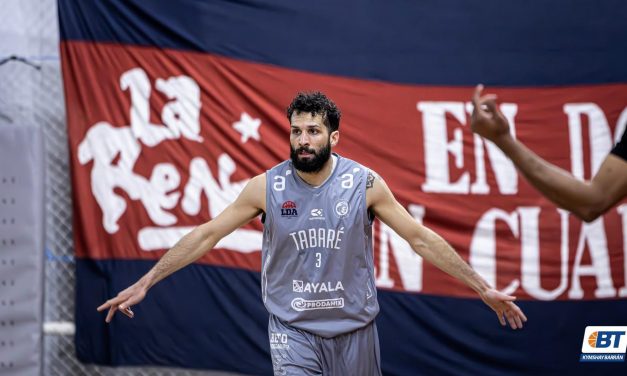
173, 106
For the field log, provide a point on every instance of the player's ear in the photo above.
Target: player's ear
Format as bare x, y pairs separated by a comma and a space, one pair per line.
335, 138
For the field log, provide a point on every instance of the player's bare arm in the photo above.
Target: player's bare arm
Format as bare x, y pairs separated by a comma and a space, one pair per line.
586, 199
436, 250
249, 204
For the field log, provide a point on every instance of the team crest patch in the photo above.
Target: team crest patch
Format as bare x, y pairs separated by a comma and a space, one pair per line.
342, 208
288, 209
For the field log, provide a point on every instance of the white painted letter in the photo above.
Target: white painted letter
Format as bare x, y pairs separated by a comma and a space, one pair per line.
437, 147
483, 245
600, 136
593, 234
530, 246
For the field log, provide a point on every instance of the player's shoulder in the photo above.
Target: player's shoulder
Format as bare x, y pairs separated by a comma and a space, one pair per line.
256, 185
254, 192
351, 164
258, 180
280, 168
370, 175
376, 188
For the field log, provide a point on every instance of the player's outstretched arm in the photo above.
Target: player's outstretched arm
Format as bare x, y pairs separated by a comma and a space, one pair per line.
587, 200
436, 250
249, 204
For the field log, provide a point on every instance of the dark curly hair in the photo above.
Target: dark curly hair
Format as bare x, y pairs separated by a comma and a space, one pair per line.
316, 103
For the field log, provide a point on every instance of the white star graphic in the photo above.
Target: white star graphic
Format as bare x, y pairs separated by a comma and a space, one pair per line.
248, 127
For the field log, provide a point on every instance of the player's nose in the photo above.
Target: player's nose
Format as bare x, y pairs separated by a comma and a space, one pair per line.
303, 140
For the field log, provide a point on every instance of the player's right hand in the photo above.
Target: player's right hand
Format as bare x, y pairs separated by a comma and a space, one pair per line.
487, 120
124, 300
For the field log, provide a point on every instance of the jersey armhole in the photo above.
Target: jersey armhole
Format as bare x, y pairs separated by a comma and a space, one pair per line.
368, 213
266, 217
371, 216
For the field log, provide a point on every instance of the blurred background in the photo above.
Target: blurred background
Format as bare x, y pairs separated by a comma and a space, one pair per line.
108, 109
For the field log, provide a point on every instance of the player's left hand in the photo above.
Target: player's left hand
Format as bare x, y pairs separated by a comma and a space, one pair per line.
505, 308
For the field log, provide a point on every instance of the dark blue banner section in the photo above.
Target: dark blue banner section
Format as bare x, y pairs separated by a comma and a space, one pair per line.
443, 42
428, 335
194, 319
184, 323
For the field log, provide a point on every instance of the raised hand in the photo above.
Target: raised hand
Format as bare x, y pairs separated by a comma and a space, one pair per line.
504, 307
487, 120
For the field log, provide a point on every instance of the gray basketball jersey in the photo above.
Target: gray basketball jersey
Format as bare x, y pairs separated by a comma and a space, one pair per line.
317, 259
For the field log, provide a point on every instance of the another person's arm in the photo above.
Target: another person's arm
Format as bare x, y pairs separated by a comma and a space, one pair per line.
249, 204
586, 199
436, 250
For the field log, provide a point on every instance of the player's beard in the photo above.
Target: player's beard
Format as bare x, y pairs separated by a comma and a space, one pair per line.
313, 164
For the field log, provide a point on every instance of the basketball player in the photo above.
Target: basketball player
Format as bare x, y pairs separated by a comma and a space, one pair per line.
586, 199
317, 275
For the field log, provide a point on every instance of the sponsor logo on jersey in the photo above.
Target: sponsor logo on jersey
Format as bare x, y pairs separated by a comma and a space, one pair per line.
316, 214
342, 208
300, 304
288, 209
316, 287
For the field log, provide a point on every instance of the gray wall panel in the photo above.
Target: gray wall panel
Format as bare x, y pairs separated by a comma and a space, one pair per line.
21, 249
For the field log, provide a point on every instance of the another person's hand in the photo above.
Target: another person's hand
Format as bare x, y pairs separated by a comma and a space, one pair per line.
487, 120
504, 307
124, 300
